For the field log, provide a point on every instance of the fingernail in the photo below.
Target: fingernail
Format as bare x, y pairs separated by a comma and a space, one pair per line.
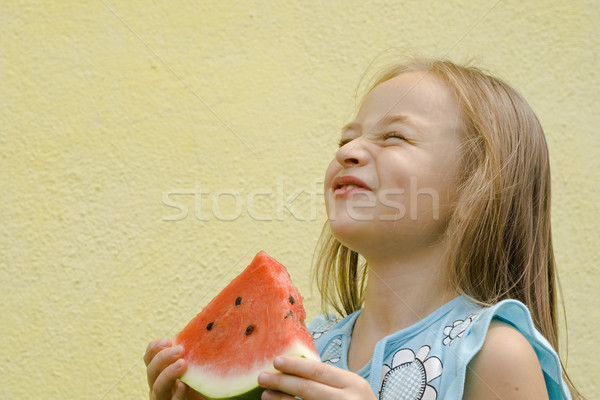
262, 378
179, 363
164, 342
266, 395
278, 362
177, 350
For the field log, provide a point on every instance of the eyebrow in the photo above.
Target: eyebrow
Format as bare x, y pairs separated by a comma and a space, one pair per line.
388, 119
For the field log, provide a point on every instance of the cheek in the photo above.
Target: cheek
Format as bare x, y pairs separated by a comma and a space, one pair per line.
393, 170
449, 176
444, 182
332, 170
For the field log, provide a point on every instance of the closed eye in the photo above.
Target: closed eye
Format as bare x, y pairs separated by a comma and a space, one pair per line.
393, 135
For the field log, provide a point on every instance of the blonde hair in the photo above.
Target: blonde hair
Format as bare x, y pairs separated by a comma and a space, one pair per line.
499, 237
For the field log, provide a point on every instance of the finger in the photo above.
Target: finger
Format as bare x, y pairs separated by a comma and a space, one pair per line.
295, 386
163, 385
181, 391
272, 395
314, 371
193, 395
161, 361
154, 347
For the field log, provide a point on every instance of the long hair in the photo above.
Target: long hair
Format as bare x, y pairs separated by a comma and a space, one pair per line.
499, 236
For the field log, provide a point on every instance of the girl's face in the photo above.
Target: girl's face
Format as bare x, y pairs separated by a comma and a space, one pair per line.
393, 178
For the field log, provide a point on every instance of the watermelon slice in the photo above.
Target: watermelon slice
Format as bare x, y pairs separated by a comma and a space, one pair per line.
257, 317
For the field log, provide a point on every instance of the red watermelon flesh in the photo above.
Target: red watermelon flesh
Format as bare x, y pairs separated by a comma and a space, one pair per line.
257, 317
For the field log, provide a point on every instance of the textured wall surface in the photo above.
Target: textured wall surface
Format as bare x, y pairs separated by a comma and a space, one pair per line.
148, 151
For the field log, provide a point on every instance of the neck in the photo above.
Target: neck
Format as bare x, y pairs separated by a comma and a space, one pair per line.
402, 289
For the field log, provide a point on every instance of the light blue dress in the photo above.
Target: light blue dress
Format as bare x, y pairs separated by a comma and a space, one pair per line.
428, 360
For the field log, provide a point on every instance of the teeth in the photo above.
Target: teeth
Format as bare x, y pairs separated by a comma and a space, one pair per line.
351, 187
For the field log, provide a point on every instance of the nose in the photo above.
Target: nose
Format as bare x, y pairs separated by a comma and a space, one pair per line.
352, 153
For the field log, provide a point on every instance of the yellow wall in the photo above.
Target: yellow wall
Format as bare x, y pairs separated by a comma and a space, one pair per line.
108, 106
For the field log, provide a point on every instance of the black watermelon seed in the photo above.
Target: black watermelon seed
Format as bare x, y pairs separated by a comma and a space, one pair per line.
249, 330
289, 314
209, 326
238, 301
292, 301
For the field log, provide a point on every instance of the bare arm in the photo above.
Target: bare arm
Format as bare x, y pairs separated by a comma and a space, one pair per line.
506, 367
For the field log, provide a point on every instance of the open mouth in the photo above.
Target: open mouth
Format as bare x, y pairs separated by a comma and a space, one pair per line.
349, 187
345, 185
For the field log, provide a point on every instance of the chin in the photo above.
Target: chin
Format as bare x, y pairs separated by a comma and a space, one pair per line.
353, 235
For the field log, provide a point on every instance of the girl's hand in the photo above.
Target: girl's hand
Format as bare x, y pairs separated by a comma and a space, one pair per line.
312, 380
164, 367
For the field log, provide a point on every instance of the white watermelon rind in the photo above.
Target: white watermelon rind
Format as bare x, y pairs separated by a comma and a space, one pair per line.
215, 386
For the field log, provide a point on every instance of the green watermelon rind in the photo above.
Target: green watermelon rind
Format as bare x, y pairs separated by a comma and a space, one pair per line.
254, 394
239, 387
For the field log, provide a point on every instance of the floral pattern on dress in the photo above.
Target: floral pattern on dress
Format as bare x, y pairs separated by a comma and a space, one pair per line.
457, 329
324, 327
332, 354
409, 376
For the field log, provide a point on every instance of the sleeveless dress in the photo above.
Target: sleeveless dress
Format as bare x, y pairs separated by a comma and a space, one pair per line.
428, 360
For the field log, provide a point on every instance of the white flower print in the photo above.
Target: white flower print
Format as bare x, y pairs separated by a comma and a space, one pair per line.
457, 329
409, 376
323, 327
333, 352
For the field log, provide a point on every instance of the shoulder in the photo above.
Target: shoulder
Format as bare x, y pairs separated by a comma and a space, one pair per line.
506, 366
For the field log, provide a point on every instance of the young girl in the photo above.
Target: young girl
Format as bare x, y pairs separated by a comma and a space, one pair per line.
437, 252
